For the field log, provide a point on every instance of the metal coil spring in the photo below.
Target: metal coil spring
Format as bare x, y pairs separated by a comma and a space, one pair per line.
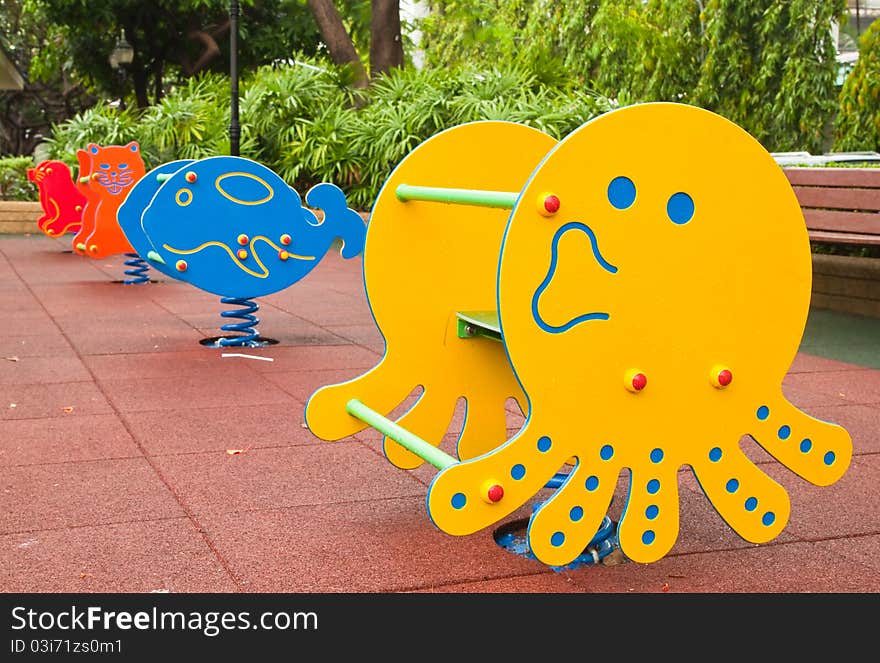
245, 332
512, 536
139, 268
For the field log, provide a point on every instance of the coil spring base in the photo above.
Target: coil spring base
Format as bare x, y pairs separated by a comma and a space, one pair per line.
244, 332
138, 269
512, 536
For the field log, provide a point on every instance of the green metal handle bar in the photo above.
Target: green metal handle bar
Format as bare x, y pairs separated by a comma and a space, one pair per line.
424, 450
161, 177
480, 198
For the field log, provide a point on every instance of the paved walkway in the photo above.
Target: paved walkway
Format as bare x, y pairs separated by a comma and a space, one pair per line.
134, 459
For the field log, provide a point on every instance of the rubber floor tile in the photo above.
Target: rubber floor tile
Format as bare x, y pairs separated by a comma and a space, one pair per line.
163, 432
272, 477
62, 399
138, 557
38, 497
372, 545
64, 440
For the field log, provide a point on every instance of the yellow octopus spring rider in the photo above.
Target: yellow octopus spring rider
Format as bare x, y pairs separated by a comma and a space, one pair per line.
641, 292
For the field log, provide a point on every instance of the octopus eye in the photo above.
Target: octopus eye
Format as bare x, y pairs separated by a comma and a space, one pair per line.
680, 208
621, 192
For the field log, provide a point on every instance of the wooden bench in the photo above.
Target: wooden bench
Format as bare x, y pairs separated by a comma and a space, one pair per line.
842, 206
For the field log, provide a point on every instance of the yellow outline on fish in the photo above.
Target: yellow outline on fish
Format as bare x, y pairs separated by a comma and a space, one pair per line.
236, 259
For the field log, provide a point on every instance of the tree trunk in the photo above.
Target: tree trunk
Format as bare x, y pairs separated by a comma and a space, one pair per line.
140, 83
386, 45
337, 40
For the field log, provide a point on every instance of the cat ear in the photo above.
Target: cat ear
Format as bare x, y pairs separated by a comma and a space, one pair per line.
83, 161
92, 148
133, 146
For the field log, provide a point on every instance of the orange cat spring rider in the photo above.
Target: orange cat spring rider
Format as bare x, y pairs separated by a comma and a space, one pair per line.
62, 203
106, 175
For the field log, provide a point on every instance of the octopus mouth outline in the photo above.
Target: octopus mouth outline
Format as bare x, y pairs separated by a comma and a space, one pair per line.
551, 272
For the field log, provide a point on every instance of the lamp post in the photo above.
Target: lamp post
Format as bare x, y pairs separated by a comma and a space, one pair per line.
121, 56
234, 127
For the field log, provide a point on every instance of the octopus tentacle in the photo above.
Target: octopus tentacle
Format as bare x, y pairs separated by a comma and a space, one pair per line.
428, 418
458, 498
581, 504
326, 407
649, 524
485, 426
755, 506
816, 450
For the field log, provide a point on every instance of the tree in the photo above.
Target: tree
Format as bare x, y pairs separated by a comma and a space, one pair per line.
336, 38
552, 40
174, 39
857, 125
771, 68
386, 42
648, 51
385, 37
49, 95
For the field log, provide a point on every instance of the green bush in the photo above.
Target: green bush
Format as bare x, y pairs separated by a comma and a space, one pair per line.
189, 123
14, 184
857, 125
407, 107
100, 124
309, 125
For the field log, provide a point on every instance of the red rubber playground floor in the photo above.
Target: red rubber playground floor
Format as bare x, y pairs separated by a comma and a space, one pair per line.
133, 459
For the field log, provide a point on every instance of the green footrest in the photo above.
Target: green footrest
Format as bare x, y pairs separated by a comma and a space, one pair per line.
479, 323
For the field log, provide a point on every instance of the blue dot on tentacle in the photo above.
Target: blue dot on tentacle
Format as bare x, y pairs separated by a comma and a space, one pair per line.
829, 458
806, 444
621, 192
768, 518
732, 486
652, 511
648, 537
576, 513
544, 443
715, 454
458, 500
763, 412
653, 486
518, 471
784, 432
557, 539
591, 483
606, 452
656, 455
680, 208
751, 504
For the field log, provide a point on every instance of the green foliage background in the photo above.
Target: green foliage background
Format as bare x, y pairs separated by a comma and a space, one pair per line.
14, 184
768, 66
857, 126
305, 123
